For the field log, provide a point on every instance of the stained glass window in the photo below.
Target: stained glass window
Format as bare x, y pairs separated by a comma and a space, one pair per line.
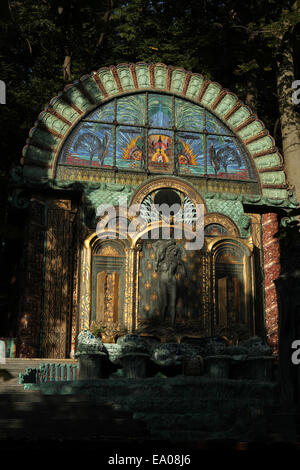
158, 133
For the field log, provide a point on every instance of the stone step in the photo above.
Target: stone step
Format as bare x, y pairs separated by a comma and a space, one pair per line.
35, 422
187, 421
22, 364
61, 411
183, 406
72, 430
10, 386
21, 360
19, 390
177, 435
26, 396
167, 404
57, 425
27, 363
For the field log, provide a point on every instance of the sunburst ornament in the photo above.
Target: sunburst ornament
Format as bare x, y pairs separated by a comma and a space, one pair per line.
133, 150
187, 157
150, 213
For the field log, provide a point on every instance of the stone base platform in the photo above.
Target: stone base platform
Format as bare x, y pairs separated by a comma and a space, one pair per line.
182, 409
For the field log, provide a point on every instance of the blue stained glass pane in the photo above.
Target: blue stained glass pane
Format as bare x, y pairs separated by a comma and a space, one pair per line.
188, 115
104, 113
225, 159
214, 125
132, 110
90, 146
160, 110
189, 150
129, 147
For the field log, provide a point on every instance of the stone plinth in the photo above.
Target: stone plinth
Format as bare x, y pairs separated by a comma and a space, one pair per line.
218, 366
135, 365
92, 366
260, 368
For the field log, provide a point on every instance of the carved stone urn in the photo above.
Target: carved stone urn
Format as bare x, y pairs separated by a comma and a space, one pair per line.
134, 356
260, 368
92, 357
218, 366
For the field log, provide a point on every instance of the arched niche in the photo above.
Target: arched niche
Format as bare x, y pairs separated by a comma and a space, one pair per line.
106, 283
232, 287
216, 224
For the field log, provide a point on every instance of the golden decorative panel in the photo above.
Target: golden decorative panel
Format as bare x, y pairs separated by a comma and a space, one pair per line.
108, 250
107, 307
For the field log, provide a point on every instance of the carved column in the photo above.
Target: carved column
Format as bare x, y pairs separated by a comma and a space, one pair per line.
271, 257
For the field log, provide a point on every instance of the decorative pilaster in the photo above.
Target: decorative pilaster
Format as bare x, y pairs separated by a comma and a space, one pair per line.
85, 300
75, 284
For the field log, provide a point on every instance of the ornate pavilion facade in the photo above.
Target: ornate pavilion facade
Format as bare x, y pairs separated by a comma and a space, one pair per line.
134, 135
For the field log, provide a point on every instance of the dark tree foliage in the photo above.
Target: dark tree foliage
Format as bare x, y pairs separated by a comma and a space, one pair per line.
45, 44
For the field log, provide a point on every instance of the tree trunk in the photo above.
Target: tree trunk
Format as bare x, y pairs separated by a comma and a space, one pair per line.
67, 68
251, 97
289, 120
106, 19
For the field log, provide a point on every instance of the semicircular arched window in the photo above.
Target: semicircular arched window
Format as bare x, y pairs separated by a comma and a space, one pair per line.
159, 133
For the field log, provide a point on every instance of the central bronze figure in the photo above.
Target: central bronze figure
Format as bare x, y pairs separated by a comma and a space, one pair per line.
170, 268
